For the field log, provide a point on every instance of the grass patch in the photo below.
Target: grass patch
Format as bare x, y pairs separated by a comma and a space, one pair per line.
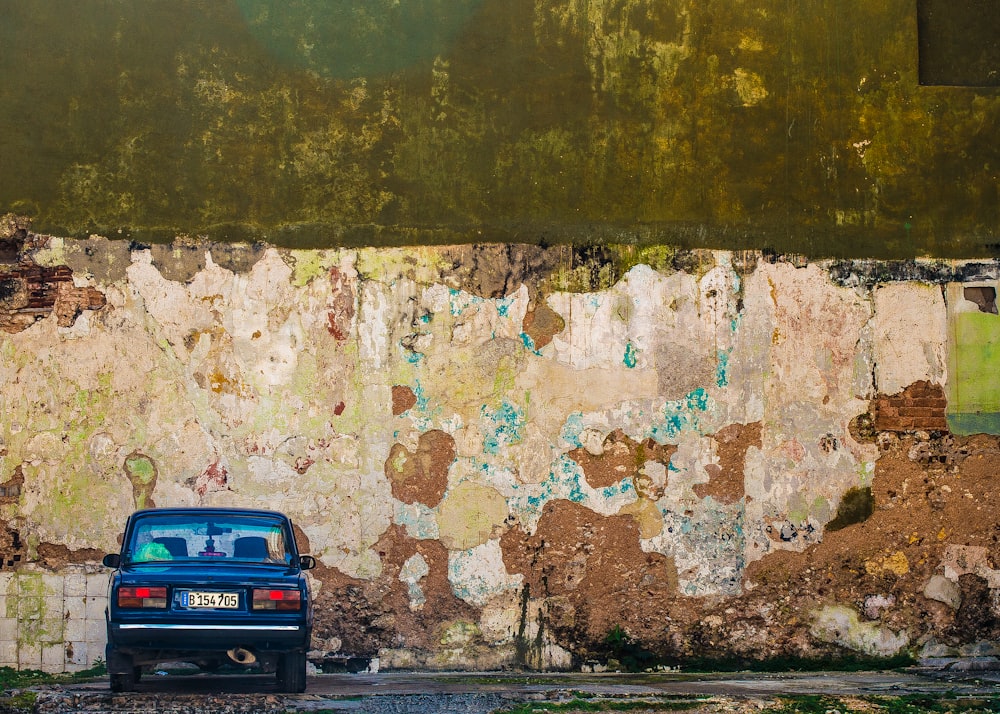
905, 704
921, 703
604, 705
11, 678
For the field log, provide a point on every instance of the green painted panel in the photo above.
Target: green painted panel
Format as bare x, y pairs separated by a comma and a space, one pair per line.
974, 385
794, 127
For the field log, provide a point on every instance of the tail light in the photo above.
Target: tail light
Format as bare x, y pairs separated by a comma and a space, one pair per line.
264, 599
141, 596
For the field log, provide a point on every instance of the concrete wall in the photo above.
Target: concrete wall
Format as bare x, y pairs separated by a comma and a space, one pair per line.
501, 455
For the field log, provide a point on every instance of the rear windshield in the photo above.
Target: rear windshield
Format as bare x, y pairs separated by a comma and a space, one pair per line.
239, 538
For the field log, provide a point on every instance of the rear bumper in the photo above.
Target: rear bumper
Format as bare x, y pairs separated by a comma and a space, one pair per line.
158, 637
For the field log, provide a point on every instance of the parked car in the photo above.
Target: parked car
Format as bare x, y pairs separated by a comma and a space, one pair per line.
208, 586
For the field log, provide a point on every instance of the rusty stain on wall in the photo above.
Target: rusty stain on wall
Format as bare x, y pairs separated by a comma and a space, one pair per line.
421, 476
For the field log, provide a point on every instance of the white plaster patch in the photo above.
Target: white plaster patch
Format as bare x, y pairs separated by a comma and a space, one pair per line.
479, 574
910, 336
960, 560
373, 328
413, 571
419, 521
841, 625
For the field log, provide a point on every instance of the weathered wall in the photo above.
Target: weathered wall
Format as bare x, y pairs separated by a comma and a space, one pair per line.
791, 126
501, 455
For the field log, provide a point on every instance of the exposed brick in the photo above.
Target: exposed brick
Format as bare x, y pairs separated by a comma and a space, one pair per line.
920, 406
918, 412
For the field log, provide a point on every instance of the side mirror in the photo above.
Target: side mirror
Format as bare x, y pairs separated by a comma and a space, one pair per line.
112, 560
307, 562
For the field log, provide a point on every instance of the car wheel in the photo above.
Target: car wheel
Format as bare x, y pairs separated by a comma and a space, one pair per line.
123, 682
292, 672
121, 671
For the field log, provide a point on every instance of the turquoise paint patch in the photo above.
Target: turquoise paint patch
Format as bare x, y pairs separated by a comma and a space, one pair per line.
565, 481
722, 368
411, 356
422, 400
459, 301
698, 400
572, 430
503, 306
529, 344
630, 353
680, 415
623, 487
507, 424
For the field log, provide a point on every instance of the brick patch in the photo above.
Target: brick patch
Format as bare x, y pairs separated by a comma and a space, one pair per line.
921, 406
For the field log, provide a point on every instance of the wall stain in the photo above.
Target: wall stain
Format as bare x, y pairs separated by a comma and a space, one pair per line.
141, 471
421, 476
594, 565
726, 479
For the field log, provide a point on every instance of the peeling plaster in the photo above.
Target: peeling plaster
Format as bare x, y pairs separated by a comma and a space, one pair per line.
699, 420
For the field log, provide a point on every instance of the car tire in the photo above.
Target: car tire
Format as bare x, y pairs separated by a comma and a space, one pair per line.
292, 672
121, 671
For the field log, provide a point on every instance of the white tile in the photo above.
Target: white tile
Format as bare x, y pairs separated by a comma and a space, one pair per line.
75, 607
97, 585
95, 608
55, 606
53, 658
97, 632
52, 630
78, 656
75, 629
29, 656
75, 585
8, 629
52, 585
30, 607
8, 654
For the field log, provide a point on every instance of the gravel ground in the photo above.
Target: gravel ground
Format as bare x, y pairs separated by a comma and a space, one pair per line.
430, 693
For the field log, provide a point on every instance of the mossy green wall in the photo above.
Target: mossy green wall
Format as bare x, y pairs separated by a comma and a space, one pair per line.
795, 127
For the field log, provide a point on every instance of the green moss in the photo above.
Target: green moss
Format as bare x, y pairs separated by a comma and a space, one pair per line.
845, 663
905, 704
311, 264
14, 679
621, 647
856, 506
140, 468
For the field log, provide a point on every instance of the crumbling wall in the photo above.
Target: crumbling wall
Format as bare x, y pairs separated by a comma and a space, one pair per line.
507, 456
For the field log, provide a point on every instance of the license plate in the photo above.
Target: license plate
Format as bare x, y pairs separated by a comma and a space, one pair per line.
196, 599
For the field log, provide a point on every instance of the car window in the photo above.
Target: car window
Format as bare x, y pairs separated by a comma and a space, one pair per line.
252, 539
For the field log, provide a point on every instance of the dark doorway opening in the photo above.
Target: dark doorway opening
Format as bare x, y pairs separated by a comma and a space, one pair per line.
959, 42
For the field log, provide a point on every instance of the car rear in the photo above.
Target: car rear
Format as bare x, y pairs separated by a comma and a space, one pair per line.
184, 590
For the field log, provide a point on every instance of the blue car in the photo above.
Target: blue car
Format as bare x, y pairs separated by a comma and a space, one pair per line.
208, 586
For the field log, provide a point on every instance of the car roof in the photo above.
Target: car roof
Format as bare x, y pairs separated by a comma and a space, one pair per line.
207, 510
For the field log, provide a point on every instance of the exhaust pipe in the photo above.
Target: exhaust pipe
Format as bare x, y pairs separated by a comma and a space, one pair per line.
240, 655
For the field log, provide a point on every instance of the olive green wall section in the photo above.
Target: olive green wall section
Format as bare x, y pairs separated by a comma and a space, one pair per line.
786, 126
